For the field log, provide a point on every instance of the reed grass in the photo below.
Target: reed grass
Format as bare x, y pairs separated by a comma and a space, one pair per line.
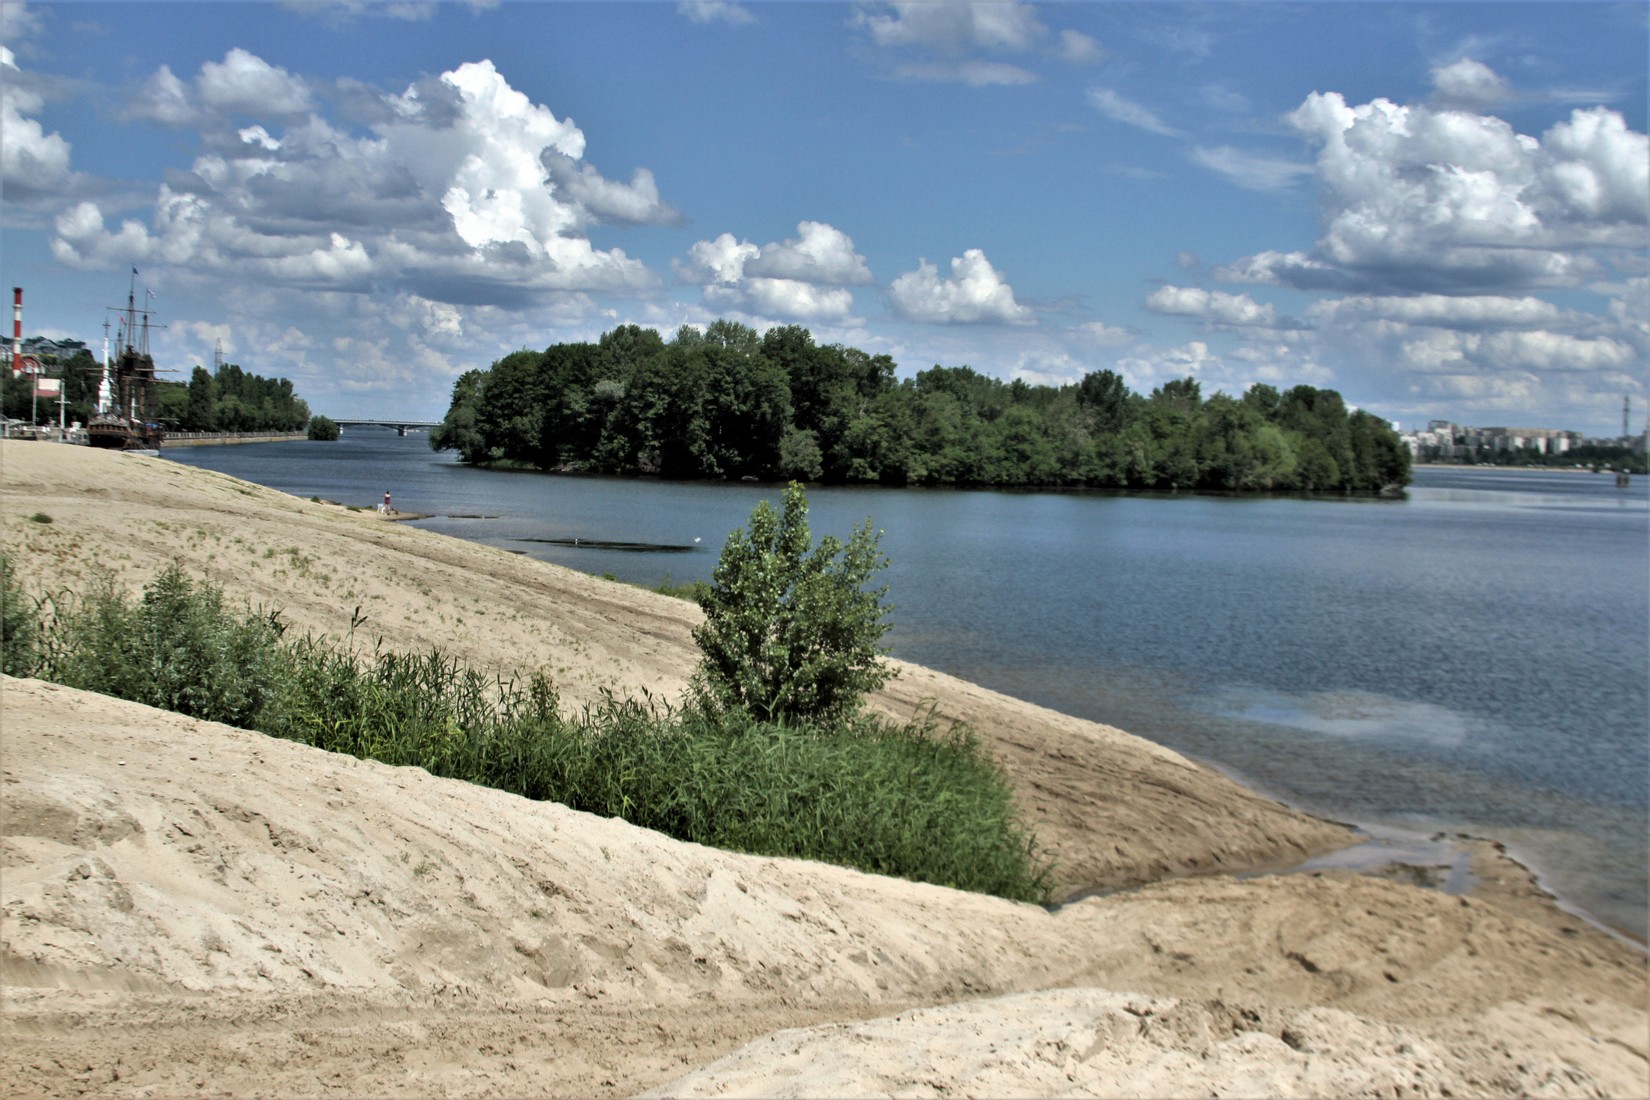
19, 624
904, 799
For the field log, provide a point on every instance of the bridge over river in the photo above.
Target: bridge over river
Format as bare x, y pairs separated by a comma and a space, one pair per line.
402, 427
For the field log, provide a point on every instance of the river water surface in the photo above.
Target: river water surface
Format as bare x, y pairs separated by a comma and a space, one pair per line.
1475, 657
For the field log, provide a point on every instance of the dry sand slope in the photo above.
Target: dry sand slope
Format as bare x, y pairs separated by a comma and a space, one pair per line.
190, 907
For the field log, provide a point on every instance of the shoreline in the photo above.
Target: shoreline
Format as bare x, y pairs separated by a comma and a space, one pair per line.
417, 590
1512, 469
1449, 845
1314, 836
386, 931
1449, 842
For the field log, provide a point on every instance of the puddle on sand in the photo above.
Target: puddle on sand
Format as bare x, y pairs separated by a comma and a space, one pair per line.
1437, 862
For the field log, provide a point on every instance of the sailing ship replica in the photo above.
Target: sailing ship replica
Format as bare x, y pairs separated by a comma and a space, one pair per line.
126, 394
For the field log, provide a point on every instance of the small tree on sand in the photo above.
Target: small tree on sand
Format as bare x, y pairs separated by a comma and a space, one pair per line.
790, 634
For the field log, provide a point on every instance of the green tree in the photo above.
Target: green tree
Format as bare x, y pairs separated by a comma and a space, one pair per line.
1264, 399
200, 412
1237, 449
510, 408
791, 634
1381, 462
169, 404
945, 440
324, 428
799, 456
1173, 415
1018, 450
457, 430
569, 431
1104, 396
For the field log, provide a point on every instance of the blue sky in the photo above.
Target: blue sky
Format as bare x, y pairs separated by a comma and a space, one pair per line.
1438, 209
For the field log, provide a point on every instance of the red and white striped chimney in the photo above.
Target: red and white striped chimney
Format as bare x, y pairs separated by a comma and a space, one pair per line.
16, 328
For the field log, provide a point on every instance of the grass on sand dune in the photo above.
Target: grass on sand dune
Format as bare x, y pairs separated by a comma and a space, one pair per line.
910, 800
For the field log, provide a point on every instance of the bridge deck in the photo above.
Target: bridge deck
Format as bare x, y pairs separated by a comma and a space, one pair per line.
401, 426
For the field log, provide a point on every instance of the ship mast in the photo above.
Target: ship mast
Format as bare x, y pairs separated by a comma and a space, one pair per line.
103, 382
134, 370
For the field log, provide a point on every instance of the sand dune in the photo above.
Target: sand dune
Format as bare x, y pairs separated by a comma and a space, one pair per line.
191, 907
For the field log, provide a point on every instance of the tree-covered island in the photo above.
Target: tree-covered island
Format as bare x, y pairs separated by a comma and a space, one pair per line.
728, 403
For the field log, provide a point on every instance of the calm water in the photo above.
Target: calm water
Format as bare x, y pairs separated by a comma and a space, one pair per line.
1471, 658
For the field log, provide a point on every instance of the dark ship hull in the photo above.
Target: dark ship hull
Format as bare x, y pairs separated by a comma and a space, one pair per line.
119, 434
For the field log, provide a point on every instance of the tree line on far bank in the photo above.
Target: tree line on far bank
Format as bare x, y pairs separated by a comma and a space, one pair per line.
1597, 456
226, 400
727, 403
232, 400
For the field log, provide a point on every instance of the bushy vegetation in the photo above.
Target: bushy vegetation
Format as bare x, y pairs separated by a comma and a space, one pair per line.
900, 799
177, 648
727, 403
791, 631
231, 400
324, 428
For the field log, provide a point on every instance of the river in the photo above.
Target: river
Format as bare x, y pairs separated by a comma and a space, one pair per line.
1473, 658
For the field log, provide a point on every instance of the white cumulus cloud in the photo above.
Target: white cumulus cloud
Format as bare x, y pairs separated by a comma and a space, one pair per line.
1468, 85
802, 277
963, 41
720, 261
819, 253
1492, 354
1215, 306
463, 190
794, 298
34, 164
975, 293
166, 99
243, 83
1420, 199
1473, 311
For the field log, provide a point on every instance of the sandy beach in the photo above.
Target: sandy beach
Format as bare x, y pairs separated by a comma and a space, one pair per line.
193, 908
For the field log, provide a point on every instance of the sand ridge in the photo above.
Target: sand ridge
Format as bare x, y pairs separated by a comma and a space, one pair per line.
188, 907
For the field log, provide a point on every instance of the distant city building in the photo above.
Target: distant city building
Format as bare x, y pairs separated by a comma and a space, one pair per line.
1445, 441
48, 350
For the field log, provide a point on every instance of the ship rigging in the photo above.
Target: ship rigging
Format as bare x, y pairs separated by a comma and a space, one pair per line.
126, 393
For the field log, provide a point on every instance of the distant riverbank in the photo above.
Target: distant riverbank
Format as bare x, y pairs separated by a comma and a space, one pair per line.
224, 439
